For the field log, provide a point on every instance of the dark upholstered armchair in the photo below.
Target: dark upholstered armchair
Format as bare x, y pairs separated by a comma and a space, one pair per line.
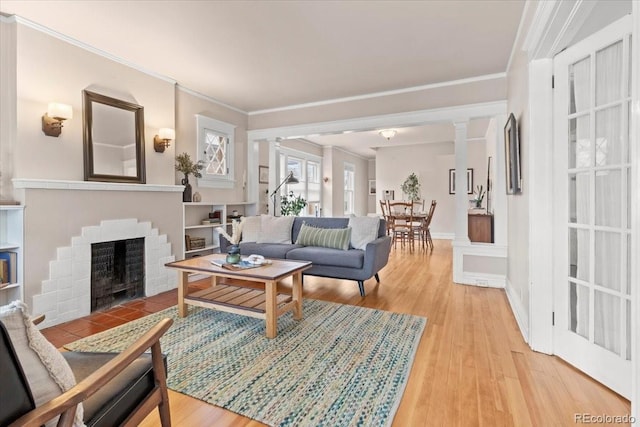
114, 388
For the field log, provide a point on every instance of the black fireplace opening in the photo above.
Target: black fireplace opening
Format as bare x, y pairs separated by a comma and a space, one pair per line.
117, 272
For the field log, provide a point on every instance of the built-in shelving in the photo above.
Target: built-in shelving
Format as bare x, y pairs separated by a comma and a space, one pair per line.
196, 212
12, 235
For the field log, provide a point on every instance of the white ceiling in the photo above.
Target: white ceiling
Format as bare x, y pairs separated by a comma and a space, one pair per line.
366, 143
257, 55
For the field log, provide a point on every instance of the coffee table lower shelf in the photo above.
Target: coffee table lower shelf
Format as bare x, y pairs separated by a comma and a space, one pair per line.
238, 300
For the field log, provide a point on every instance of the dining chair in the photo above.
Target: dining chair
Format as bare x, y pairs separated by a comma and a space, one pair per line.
384, 207
418, 224
427, 224
402, 213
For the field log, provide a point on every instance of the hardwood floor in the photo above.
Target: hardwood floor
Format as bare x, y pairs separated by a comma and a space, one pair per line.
472, 366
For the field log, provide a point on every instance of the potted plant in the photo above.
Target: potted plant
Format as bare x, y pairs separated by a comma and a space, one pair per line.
292, 204
185, 165
478, 196
411, 187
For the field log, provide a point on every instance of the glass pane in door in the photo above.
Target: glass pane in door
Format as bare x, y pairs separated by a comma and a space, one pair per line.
579, 198
609, 144
608, 259
628, 329
628, 267
579, 142
609, 74
579, 86
608, 198
607, 331
579, 309
579, 254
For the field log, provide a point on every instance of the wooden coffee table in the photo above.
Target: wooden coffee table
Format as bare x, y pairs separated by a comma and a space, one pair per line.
264, 303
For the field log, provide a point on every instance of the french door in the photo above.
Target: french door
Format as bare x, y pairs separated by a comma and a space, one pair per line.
592, 228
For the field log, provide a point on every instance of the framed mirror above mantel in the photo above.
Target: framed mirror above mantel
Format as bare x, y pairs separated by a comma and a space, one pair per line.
113, 139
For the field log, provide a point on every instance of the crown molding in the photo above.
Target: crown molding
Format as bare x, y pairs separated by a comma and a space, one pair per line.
384, 93
412, 118
516, 41
554, 25
208, 98
85, 46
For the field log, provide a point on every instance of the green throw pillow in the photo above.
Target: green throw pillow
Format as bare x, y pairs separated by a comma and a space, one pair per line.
336, 238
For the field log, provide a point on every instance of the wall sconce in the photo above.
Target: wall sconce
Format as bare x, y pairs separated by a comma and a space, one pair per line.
53, 118
161, 141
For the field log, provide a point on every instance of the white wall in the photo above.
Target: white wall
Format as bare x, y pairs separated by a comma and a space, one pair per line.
38, 68
7, 106
333, 190
431, 162
51, 70
372, 200
518, 205
187, 106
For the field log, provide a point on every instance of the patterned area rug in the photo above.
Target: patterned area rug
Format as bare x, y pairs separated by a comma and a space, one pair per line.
341, 365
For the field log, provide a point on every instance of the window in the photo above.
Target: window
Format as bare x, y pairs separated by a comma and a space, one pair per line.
306, 168
215, 148
349, 188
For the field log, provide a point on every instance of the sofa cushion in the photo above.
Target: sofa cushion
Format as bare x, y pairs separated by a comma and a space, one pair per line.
323, 222
363, 230
352, 258
48, 374
114, 402
267, 250
251, 228
275, 229
336, 238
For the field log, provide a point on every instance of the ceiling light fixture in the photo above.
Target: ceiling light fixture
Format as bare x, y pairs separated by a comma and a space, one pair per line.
387, 133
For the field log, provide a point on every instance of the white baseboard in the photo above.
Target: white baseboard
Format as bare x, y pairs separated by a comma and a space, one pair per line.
518, 309
484, 280
443, 236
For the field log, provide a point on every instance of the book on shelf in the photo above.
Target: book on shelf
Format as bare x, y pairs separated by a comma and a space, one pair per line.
192, 243
8, 267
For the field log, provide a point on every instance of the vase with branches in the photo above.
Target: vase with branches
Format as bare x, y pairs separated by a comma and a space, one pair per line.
188, 167
233, 251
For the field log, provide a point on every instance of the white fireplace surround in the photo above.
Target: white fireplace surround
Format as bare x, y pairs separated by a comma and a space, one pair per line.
66, 295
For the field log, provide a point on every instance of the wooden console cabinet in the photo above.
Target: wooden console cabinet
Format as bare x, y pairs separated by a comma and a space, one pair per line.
480, 227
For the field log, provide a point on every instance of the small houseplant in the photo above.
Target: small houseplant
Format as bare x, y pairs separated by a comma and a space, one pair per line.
291, 204
411, 187
185, 165
478, 196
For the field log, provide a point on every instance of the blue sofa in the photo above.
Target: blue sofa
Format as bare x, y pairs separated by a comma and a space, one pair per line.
352, 264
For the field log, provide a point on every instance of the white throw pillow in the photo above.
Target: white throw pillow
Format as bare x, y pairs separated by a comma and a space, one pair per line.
48, 373
251, 228
364, 229
276, 229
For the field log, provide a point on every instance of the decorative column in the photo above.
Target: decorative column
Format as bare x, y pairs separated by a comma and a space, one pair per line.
274, 169
461, 239
462, 199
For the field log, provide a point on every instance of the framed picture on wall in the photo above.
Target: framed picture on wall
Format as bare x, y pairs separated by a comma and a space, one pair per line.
263, 174
452, 181
372, 187
512, 156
